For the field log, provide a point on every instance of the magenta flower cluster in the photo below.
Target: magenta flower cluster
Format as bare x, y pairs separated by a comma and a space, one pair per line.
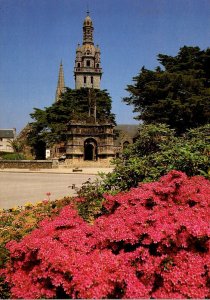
153, 241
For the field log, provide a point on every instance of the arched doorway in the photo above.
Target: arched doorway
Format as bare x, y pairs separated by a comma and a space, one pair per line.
40, 150
90, 149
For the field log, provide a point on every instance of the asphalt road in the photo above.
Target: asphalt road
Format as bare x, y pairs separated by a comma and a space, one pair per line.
16, 189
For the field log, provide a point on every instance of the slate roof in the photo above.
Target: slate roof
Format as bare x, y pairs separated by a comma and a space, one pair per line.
129, 129
7, 133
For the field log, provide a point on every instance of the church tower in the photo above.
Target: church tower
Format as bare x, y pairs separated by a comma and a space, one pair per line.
61, 85
87, 70
90, 140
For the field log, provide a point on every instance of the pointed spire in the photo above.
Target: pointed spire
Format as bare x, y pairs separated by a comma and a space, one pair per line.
61, 85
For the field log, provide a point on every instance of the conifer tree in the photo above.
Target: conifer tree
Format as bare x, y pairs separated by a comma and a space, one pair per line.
178, 94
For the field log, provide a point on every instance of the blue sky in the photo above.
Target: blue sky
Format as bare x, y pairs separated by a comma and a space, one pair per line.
36, 34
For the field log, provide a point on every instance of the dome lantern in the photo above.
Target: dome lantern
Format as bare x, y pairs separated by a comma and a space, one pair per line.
88, 31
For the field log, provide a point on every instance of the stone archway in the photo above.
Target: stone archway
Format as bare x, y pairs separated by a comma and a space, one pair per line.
90, 149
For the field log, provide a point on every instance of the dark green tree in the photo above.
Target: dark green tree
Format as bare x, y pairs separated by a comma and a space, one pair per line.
50, 124
178, 94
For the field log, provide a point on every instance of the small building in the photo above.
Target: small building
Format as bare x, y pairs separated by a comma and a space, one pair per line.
6, 136
90, 141
124, 135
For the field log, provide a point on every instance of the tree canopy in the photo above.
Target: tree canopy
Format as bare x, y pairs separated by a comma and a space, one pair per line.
177, 94
50, 124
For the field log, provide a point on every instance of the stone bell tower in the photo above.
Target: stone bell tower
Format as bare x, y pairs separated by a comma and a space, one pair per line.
90, 140
87, 70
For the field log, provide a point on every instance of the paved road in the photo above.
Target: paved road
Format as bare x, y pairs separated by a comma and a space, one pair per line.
16, 189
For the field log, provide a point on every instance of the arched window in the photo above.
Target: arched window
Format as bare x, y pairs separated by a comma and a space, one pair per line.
88, 63
85, 79
78, 65
97, 65
91, 79
125, 145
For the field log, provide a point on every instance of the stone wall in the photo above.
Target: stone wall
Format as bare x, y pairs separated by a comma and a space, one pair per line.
81, 163
26, 164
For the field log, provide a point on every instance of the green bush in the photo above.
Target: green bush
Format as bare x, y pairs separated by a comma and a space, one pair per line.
90, 199
13, 156
150, 139
158, 151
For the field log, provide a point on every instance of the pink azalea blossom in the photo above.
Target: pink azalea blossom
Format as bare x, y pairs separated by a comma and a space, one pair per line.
152, 243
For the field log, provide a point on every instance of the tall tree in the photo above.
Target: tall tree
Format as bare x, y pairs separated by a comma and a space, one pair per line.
178, 94
50, 125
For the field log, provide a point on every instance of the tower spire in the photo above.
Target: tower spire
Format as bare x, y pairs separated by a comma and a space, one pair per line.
61, 85
88, 30
87, 70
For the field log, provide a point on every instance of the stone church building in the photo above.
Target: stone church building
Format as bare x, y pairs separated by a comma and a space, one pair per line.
91, 142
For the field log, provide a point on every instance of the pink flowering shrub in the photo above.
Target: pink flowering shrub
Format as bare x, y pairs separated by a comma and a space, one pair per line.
153, 241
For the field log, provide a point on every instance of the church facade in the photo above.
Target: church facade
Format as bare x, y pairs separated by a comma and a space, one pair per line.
90, 142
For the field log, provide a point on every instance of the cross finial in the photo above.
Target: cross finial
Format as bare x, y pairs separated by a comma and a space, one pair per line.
88, 12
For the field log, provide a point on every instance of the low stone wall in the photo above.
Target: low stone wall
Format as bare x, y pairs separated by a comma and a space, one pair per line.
72, 163
26, 164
